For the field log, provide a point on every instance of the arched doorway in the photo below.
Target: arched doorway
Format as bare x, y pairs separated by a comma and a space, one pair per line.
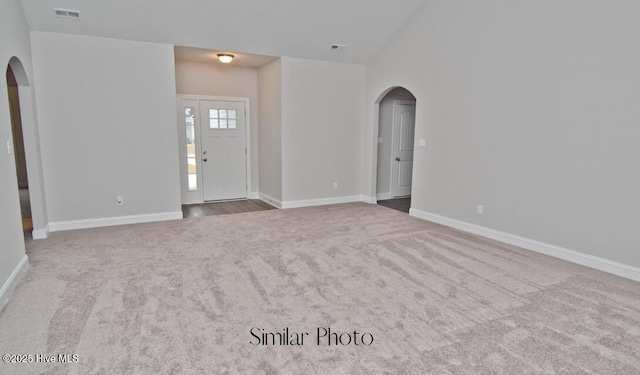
395, 143
26, 149
18, 150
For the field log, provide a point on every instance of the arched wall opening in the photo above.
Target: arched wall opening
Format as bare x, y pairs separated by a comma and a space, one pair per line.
19, 150
393, 152
26, 147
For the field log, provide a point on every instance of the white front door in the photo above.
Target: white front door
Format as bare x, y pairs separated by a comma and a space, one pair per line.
223, 150
404, 121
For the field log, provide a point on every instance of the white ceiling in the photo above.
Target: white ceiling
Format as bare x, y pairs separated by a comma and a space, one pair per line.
296, 28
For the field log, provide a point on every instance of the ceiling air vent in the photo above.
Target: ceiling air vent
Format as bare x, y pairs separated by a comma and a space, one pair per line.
67, 13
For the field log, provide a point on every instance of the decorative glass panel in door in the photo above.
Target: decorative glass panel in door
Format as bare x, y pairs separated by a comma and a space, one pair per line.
192, 175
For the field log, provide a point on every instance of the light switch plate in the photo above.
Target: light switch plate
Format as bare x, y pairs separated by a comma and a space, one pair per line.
9, 147
422, 142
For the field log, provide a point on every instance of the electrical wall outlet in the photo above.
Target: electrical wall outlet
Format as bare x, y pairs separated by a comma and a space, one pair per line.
335, 185
480, 209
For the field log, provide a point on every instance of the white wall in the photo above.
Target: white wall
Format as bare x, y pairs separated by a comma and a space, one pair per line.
385, 131
107, 113
322, 115
529, 108
270, 127
215, 79
14, 41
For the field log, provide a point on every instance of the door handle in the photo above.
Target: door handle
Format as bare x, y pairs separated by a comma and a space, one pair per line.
397, 159
205, 159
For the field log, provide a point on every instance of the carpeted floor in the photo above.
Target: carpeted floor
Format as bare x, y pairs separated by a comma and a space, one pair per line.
182, 297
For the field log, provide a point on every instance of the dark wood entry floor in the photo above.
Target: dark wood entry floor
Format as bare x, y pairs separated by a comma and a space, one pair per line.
25, 209
400, 204
225, 208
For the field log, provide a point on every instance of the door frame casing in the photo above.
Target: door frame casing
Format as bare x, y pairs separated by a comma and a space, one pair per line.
396, 103
191, 197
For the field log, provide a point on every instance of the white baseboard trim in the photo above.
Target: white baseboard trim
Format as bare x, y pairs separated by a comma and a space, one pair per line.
384, 196
322, 202
12, 281
40, 234
272, 201
602, 264
110, 221
367, 199
253, 195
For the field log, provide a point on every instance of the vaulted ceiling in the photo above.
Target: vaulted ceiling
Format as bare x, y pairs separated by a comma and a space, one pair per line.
297, 28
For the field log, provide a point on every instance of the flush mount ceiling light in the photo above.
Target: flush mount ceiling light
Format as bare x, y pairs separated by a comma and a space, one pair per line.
225, 58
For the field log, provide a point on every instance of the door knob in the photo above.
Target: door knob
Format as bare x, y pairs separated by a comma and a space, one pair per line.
205, 159
397, 159
204, 152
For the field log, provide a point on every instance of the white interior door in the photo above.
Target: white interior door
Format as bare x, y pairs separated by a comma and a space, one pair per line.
404, 123
223, 150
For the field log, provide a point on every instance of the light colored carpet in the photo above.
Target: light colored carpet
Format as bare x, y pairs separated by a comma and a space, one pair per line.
181, 297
